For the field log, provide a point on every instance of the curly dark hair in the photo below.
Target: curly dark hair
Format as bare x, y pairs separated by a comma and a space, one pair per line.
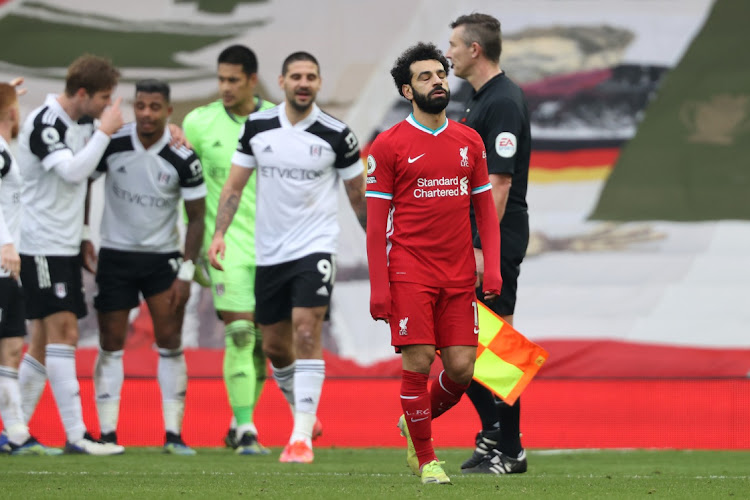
401, 71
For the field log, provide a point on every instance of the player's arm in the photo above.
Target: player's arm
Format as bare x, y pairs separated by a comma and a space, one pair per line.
47, 144
88, 252
349, 167
488, 225
179, 292
355, 190
196, 225
380, 171
489, 232
179, 138
377, 259
229, 200
9, 259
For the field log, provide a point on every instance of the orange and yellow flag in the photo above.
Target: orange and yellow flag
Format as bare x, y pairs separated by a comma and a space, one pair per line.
506, 360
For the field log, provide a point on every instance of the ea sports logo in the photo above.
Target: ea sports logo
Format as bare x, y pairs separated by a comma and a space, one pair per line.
505, 144
371, 164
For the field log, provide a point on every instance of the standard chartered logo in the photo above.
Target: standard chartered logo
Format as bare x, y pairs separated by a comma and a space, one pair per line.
442, 187
464, 185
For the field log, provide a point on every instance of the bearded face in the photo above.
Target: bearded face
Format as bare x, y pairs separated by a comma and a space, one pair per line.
434, 102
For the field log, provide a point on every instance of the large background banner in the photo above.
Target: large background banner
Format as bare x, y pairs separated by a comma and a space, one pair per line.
611, 286
638, 270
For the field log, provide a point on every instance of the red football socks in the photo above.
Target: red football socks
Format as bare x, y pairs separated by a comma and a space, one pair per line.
444, 394
415, 401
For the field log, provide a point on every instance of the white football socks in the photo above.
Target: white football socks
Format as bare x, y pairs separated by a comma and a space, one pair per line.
109, 375
61, 370
10, 406
285, 380
309, 375
32, 377
172, 375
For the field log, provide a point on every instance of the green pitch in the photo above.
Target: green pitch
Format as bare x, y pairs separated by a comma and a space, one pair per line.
374, 473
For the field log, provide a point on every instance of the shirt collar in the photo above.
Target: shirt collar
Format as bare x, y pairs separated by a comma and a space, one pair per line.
156, 147
301, 125
52, 102
414, 123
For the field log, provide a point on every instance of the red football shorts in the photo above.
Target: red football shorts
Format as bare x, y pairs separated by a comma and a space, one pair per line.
441, 317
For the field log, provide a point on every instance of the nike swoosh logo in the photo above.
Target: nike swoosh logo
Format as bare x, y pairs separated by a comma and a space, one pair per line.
419, 419
412, 160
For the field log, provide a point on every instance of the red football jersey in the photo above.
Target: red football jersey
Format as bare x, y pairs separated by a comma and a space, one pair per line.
429, 176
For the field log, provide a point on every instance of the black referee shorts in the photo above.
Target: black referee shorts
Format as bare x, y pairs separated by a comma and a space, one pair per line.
514, 239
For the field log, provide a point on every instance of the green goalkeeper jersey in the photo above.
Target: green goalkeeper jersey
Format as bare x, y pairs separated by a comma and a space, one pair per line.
213, 132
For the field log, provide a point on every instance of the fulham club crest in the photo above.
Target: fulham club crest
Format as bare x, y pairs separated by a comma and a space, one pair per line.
61, 290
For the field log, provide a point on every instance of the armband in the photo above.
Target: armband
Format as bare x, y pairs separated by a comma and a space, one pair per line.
187, 270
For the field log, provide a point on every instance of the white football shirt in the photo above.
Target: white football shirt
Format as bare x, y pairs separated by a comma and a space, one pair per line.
143, 189
10, 197
298, 168
52, 207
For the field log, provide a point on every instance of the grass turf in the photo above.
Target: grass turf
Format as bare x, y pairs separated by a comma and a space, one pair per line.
374, 473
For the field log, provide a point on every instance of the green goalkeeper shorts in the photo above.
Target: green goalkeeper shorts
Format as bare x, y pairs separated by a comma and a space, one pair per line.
234, 288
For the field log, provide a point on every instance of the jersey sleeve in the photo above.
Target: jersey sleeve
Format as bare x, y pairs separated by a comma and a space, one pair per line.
501, 137
103, 165
244, 156
347, 161
5, 162
380, 171
190, 173
47, 142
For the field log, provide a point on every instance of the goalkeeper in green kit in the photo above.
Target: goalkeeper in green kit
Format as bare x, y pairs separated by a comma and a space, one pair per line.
213, 131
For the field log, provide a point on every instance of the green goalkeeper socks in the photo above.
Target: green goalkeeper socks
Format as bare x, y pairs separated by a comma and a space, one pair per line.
259, 360
240, 369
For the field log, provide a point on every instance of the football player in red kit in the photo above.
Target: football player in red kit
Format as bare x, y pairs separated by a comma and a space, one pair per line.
423, 175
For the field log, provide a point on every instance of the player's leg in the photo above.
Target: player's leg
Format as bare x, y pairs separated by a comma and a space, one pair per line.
413, 334
273, 314
32, 374
309, 371
12, 331
53, 290
155, 283
116, 281
10, 394
456, 324
312, 279
234, 300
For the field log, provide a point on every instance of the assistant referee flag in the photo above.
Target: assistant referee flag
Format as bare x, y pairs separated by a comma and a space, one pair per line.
506, 360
